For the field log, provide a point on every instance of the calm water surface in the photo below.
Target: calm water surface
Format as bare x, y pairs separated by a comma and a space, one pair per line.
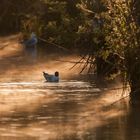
69, 110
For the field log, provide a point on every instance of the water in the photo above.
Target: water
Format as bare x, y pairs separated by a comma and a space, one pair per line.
31, 109
68, 110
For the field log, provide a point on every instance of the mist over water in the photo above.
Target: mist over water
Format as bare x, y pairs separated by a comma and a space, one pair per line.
66, 110
76, 108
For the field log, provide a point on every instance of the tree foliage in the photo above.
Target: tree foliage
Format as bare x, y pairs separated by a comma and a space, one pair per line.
123, 37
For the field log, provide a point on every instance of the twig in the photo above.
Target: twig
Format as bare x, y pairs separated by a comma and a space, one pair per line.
78, 62
44, 40
116, 101
69, 61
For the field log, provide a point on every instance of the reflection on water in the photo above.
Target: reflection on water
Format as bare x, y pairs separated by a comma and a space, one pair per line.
69, 110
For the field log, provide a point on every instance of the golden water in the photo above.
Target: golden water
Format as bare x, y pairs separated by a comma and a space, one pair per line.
73, 109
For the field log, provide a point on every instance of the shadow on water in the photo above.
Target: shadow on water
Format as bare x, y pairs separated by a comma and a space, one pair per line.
76, 108
125, 127
71, 109
133, 124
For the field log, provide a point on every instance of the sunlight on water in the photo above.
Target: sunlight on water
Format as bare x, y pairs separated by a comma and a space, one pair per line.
64, 110
31, 109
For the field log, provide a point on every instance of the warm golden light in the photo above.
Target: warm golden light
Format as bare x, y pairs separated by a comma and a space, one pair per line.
31, 108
